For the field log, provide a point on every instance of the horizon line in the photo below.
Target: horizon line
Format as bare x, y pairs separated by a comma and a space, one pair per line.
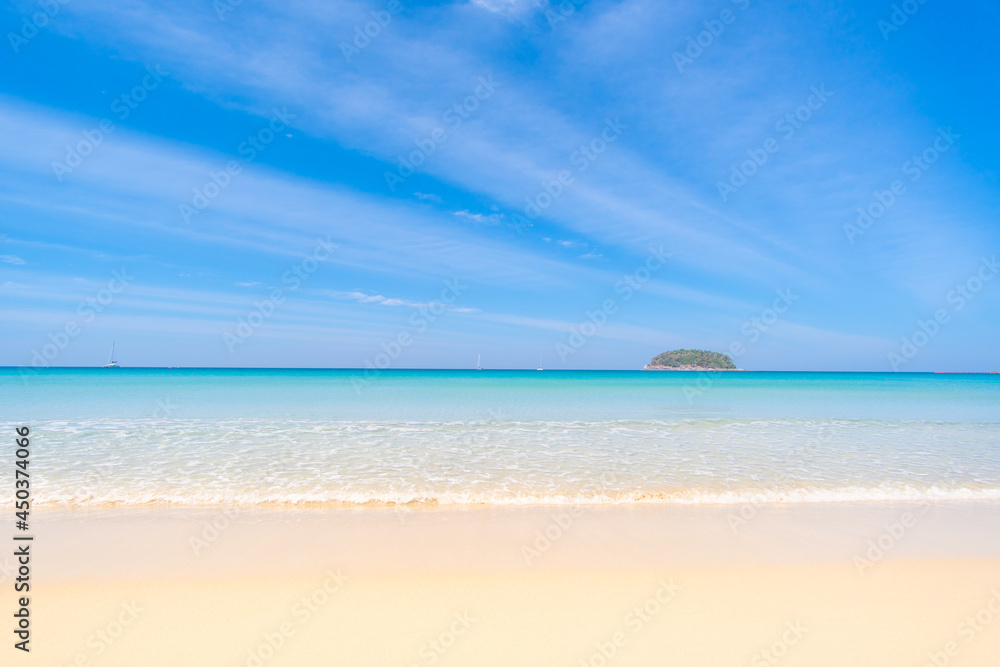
480, 370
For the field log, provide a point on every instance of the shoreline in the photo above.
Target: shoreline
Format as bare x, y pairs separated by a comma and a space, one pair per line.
453, 501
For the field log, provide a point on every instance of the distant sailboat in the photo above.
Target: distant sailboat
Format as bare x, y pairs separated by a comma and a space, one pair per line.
111, 358
539, 364
479, 362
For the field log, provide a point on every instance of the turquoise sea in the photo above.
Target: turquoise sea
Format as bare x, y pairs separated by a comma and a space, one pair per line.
254, 436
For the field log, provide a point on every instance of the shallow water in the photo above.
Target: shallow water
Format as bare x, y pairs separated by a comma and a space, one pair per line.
214, 436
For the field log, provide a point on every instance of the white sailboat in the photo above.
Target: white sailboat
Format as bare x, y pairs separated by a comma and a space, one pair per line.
111, 358
479, 362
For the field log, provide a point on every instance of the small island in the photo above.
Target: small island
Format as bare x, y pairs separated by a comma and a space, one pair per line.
691, 360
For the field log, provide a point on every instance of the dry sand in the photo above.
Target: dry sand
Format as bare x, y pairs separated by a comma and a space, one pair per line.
649, 585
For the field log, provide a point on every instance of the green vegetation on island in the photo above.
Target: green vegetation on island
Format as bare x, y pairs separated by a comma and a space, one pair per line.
692, 360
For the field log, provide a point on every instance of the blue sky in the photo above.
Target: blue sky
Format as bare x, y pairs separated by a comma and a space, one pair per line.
244, 204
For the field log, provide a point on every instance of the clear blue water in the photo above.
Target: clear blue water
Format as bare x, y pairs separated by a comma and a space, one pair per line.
207, 436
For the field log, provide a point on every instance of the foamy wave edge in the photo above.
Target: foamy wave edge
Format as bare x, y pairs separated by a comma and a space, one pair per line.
678, 497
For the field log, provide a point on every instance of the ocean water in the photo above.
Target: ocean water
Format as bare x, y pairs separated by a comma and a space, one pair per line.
222, 436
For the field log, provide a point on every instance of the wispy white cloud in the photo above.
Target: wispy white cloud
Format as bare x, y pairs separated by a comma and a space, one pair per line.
11, 259
653, 185
480, 218
515, 7
379, 299
362, 297
139, 183
513, 143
